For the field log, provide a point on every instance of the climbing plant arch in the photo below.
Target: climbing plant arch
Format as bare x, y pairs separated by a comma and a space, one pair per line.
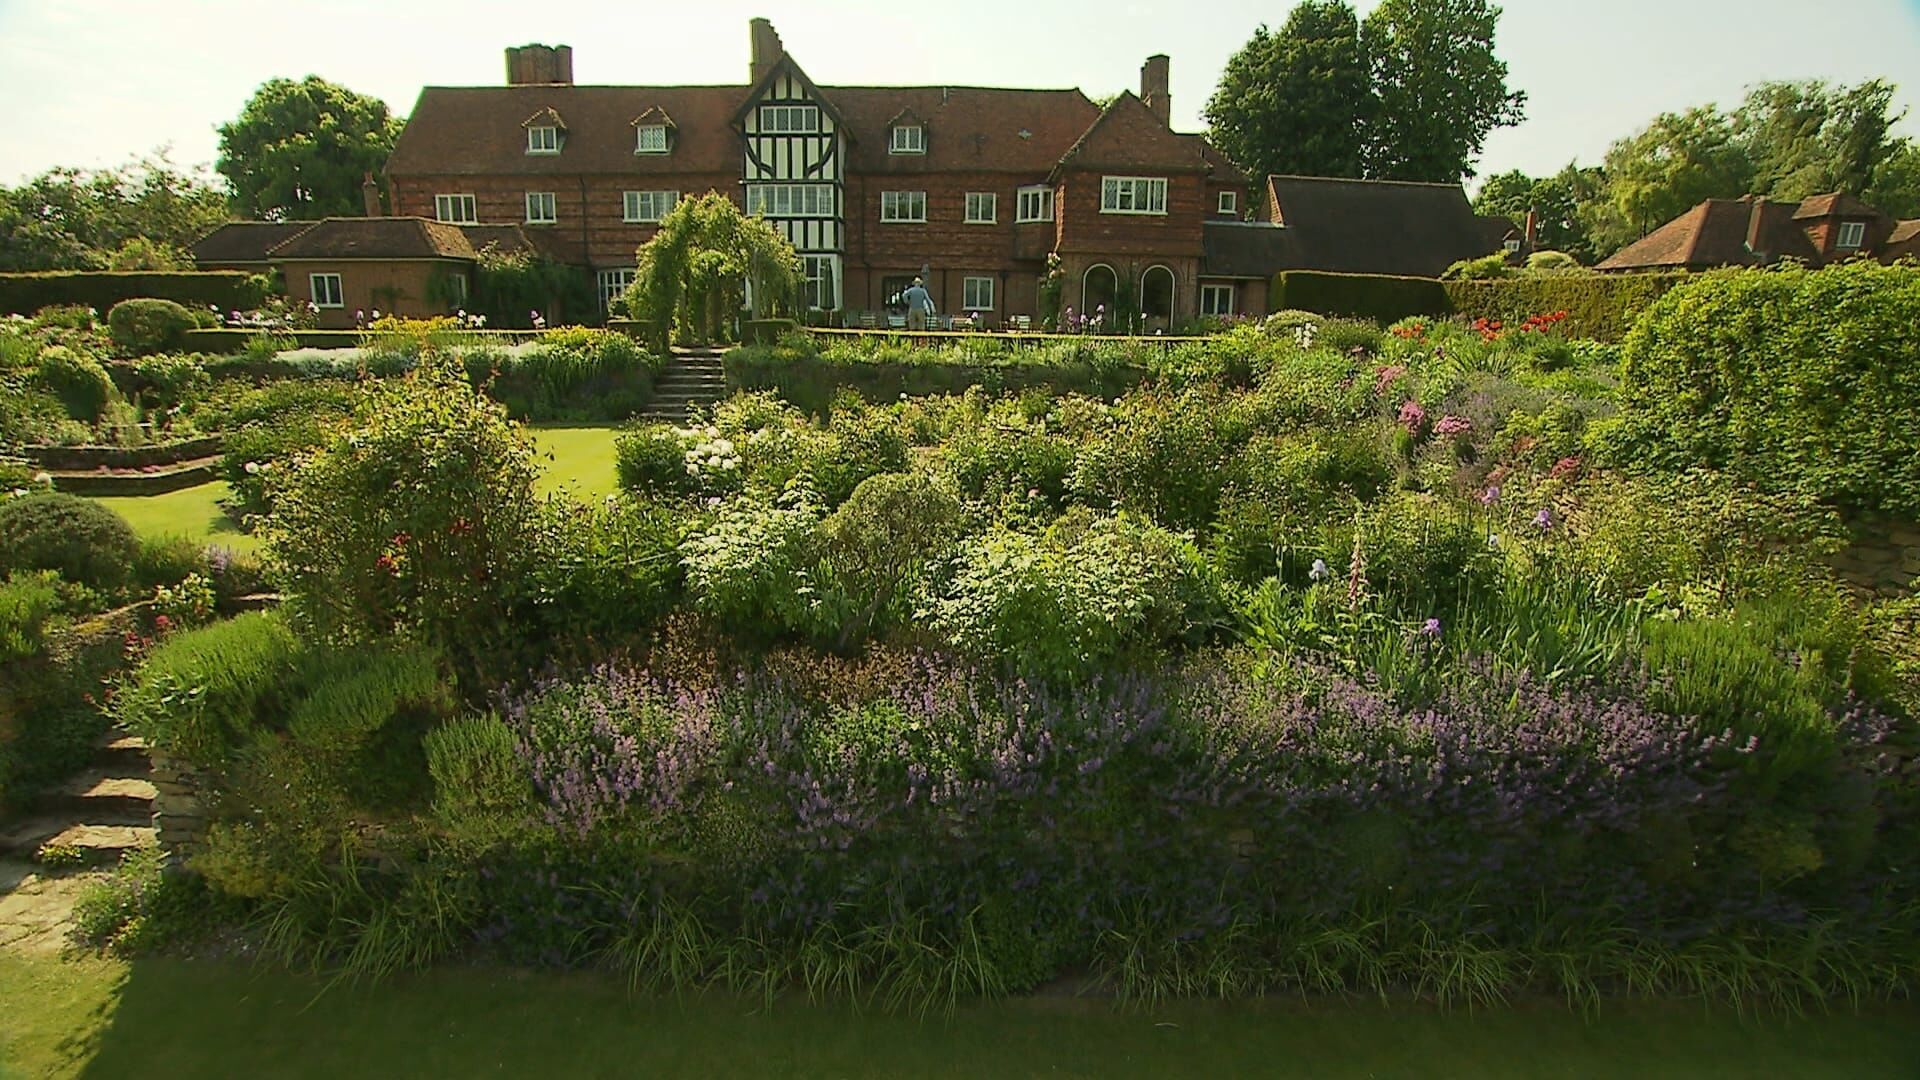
707, 262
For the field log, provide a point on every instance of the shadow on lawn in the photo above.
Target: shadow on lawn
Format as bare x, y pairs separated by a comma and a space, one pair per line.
177, 1018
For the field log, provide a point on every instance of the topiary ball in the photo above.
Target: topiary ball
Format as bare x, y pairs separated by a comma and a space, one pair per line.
78, 380
77, 538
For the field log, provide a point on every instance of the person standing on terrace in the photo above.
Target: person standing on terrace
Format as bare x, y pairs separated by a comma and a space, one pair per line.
919, 305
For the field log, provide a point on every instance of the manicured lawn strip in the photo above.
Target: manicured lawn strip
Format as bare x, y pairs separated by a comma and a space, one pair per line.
175, 1018
195, 512
582, 460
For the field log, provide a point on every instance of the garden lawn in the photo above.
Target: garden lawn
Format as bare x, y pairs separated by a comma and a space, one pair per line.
579, 460
192, 512
179, 1018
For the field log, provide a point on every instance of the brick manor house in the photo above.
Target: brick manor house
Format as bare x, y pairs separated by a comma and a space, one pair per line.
971, 188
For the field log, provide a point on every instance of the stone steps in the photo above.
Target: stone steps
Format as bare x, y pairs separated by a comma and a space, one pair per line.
104, 811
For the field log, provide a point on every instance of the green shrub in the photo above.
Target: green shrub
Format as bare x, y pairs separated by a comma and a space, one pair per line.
1284, 494
142, 906
1379, 297
606, 570
356, 692
170, 380
1485, 268
653, 461
1795, 379
27, 602
78, 380
1089, 589
80, 539
1344, 336
202, 693
995, 461
66, 316
1424, 556
879, 543
166, 560
147, 325
1552, 262
1163, 456
481, 788
756, 568
1599, 306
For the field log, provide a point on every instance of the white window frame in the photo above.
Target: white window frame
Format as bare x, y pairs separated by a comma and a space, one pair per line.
907, 139
643, 145
901, 206
552, 208
1211, 302
448, 208
635, 206
791, 200
1512, 246
978, 201
970, 291
1133, 195
789, 120
612, 282
817, 271
338, 291
1034, 203
538, 143
1853, 235
1229, 203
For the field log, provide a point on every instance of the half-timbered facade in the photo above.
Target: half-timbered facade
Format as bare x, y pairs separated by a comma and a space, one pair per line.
969, 188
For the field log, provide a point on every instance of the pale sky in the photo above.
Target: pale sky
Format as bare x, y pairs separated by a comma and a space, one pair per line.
93, 82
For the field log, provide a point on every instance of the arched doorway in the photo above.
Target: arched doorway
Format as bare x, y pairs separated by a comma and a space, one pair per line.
1156, 298
1098, 288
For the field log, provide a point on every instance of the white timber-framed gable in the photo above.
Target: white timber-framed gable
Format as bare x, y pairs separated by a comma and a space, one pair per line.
793, 150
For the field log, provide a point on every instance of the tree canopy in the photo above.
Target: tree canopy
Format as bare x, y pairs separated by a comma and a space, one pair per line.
1439, 86
140, 215
1297, 101
300, 150
1554, 200
704, 265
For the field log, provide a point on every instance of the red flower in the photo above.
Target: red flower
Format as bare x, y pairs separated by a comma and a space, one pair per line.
460, 527
401, 539
162, 623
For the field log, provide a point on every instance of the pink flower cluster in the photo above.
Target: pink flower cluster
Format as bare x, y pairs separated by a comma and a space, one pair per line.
1451, 425
1412, 416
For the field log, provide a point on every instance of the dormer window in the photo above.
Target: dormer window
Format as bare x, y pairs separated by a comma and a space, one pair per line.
907, 139
1229, 202
1512, 245
650, 139
1853, 235
543, 139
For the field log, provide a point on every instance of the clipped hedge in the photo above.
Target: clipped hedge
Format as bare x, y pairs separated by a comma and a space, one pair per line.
1380, 297
809, 382
24, 294
1793, 379
1598, 306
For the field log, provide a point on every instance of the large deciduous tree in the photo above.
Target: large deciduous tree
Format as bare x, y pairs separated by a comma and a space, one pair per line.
1297, 101
1677, 161
300, 150
140, 215
1440, 89
1554, 201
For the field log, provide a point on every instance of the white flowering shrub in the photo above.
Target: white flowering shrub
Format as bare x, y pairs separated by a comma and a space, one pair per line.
664, 462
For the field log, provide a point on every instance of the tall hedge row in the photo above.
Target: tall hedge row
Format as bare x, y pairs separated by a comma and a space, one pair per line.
24, 294
1599, 306
1794, 379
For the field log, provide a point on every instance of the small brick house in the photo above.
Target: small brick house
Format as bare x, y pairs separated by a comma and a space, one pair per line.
1757, 231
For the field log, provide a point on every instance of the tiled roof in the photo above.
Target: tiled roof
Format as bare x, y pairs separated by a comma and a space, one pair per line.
969, 128
245, 241
1833, 204
475, 130
1128, 135
1375, 226
377, 238
1249, 249
1717, 233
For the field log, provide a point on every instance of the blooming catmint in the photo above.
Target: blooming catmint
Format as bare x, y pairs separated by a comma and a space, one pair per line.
1544, 519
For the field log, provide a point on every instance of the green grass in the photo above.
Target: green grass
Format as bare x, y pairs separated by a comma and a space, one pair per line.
575, 459
193, 512
179, 1018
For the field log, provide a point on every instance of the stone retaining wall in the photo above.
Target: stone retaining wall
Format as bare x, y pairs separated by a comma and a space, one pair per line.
1883, 559
179, 814
85, 458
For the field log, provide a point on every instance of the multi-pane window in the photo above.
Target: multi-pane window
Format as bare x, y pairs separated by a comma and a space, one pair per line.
976, 293
789, 119
791, 200
1133, 195
648, 205
457, 209
1216, 299
1035, 204
1229, 202
325, 290
613, 285
540, 209
818, 270
907, 139
1853, 234
650, 139
903, 206
983, 207
543, 139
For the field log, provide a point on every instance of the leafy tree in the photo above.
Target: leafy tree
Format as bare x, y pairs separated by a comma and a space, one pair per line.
300, 150
75, 219
1298, 101
703, 265
1677, 161
1555, 201
1896, 183
1805, 138
1440, 89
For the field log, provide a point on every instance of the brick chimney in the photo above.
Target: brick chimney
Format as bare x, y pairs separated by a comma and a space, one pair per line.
1153, 87
370, 196
540, 65
1756, 225
766, 49
1531, 239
